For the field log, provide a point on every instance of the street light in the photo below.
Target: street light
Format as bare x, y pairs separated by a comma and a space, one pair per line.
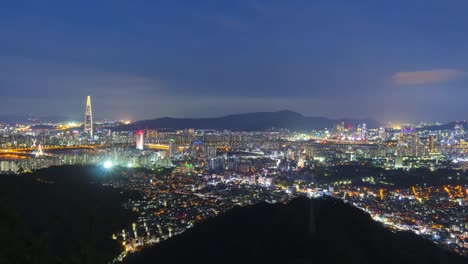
108, 164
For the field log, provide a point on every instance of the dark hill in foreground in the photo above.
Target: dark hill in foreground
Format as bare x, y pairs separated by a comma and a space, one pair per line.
246, 122
57, 216
303, 231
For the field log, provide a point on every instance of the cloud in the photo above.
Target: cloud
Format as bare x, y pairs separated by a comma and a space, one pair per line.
44, 88
35, 78
428, 76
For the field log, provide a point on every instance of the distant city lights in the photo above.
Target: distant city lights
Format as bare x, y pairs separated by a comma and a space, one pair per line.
73, 124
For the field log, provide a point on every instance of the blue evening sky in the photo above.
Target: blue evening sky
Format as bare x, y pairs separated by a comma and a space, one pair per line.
390, 60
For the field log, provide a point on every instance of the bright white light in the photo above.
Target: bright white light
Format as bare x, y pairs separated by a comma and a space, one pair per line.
129, 165
108, 164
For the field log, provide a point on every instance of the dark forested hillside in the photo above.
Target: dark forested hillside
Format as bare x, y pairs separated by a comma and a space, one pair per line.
303, 231
57, 215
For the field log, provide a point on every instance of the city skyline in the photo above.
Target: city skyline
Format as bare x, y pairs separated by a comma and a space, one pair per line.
89, 120
394, 62
242, 131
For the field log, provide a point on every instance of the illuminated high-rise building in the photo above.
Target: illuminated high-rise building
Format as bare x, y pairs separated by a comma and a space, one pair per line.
364, 132
88, 122
191, 131
210, 151
432, 144
172, 148
140, 139
382, 133
415, 145
151, 133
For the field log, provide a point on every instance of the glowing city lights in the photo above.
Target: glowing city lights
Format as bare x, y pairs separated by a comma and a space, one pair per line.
108, 164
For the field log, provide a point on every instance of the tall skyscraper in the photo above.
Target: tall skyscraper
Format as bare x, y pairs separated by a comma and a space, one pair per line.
364, 132
88, 122
172, 148
382, 133
140, 139
415, 145
432, 144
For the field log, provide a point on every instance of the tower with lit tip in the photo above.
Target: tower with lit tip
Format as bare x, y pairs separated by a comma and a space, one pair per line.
88, 121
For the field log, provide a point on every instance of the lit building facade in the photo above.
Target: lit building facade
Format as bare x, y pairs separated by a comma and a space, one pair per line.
140, 135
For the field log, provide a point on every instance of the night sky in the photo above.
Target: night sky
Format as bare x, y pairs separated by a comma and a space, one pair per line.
390, 60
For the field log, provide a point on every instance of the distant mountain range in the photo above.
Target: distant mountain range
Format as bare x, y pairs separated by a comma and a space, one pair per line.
303, 231
27, 119
259, 121
448, 126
